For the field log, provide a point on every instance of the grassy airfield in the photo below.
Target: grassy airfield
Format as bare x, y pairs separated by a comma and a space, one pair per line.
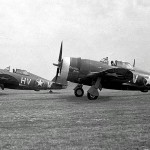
118, 120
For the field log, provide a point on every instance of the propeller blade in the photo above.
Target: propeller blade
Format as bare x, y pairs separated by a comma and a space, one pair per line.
57, 72
61, 65
134, 63
55, 64
60, 61
60, 54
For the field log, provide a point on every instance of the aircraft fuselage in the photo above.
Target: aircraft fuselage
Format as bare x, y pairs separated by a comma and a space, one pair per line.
23, 81
76, 69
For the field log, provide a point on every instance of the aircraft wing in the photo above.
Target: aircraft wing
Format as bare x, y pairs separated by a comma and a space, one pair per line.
114, 74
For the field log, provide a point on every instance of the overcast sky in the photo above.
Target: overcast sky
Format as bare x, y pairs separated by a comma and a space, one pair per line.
31, 32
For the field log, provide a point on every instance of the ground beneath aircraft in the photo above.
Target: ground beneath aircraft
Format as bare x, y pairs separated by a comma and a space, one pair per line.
32, 120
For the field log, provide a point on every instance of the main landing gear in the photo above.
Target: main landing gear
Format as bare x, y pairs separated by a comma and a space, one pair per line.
93, 93
91, 97
78, 90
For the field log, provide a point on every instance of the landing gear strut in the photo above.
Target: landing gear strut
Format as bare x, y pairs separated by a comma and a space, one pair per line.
78, 90
92, 93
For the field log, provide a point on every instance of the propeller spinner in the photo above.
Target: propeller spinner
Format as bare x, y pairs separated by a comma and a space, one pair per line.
59, 64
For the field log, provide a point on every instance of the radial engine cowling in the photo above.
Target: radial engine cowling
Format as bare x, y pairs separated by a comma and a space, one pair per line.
75, 63
74, 69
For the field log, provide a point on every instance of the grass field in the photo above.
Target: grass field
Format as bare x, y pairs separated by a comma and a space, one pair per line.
118, 120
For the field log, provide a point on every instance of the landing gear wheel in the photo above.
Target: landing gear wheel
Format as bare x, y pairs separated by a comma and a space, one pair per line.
79, 92
91, 97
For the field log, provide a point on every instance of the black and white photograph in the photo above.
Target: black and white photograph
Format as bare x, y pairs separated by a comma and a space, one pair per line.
74, 75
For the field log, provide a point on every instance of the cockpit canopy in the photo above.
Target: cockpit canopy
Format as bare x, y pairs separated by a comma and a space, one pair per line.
117, 63
105, 60
121, 64
22, 72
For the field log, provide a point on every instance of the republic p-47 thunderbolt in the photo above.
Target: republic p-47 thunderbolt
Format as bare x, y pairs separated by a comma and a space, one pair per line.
99, 74
23, 80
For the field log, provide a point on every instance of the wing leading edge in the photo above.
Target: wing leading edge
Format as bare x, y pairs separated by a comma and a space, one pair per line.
121, 75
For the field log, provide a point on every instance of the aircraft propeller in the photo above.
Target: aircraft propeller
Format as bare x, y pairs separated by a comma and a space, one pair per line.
134, 63
59, 64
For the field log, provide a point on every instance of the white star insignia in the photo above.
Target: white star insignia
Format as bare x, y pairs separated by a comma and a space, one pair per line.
39, 82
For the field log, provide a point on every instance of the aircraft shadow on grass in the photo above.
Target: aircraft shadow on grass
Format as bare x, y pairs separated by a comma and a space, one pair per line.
2, 94
27, 93
103, 98
71, 98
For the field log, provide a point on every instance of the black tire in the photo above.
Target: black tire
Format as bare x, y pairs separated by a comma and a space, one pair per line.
91, 97
79, 92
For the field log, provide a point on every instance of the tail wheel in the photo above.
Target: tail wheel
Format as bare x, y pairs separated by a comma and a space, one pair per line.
79, 92
91, 97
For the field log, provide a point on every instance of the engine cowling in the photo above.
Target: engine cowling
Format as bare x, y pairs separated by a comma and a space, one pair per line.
74, 69
64, 71
75, 63
70, 70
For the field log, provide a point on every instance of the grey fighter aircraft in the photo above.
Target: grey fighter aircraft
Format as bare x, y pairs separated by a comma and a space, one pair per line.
99, 74
23, 80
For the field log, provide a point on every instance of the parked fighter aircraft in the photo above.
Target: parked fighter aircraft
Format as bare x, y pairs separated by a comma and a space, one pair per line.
23, 80
99, 74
